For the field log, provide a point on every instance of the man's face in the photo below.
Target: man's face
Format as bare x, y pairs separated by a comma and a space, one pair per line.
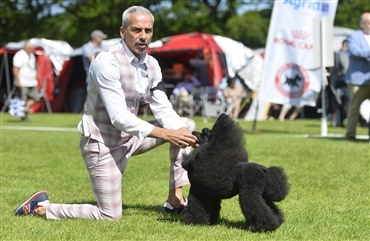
365, 24
98, 40
29, 48
138, 33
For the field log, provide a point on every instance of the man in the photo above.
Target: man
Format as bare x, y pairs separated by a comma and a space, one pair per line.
341, 63
234, 94
112, 132
25, 72
358, 73
183, 90
89, 49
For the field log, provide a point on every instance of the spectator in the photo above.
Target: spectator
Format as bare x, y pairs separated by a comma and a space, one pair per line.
358, 73
88, 51
119, 79
341, 62
25, 73
234, 93
183, 90
285, 109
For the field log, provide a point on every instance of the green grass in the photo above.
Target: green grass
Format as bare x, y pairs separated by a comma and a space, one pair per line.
328, 200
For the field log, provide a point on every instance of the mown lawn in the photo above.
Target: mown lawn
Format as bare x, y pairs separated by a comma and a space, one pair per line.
328, 199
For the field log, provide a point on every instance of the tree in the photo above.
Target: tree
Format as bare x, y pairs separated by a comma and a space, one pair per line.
348, 13
250, 28
75, 19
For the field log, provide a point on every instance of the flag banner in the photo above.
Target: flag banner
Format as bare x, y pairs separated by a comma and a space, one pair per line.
290, 74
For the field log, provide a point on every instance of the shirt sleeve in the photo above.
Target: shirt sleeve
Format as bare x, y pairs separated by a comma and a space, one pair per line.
18, 60
162, 107
105, 74
355, 47
87, 51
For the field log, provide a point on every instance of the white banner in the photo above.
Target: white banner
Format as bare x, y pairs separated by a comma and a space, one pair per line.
290, 75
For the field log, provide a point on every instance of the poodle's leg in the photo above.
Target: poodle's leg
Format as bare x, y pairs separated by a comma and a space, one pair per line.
202, 210
259, 216
215, 208
276, 210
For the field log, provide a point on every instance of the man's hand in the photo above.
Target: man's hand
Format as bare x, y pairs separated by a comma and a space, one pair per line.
181, 138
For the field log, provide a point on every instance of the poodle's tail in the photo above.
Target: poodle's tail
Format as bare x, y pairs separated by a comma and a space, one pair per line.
277, 187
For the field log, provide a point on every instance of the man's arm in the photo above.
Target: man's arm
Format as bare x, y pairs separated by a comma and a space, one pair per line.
16, 75
355, 47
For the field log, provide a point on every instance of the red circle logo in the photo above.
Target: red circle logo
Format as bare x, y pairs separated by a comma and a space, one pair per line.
292, 80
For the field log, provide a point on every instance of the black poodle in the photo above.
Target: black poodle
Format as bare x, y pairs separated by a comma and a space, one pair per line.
219, 169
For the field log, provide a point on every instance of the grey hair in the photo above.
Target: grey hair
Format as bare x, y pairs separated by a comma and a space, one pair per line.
139, 10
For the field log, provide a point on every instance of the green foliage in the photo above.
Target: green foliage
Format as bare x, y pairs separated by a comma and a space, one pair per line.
250, 29
349, 11
328, 199
22, 19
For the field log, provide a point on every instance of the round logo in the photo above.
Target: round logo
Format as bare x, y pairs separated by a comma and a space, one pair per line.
292, 80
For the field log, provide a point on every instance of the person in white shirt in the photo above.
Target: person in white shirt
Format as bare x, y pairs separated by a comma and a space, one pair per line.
112, 132
25, 73
89, 49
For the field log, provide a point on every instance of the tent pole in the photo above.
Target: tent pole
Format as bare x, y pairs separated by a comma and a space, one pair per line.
7, 76
255, 117
2, 71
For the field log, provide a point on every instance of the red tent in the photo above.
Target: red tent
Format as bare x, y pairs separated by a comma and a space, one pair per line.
191, 51
45, 75
50, 56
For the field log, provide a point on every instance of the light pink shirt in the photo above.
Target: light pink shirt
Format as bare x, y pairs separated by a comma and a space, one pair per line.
105, 84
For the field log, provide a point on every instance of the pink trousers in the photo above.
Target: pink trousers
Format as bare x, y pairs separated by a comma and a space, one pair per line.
106, 166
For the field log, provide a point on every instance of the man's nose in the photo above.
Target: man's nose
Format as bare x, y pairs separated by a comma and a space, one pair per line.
143, 34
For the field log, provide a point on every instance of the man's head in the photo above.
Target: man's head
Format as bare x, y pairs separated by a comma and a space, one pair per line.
137, 29
365, 23
97, 36
28, 47
231, 82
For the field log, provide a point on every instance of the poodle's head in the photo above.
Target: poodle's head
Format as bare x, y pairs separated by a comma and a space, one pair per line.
203, 136
225, 133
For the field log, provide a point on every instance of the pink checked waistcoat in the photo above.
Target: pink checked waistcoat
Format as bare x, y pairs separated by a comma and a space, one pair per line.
102, 129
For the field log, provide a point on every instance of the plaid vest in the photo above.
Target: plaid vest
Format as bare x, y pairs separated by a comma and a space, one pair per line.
102, 129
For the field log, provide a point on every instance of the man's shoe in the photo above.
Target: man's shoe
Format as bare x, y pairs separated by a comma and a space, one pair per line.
29, 206
169, 209
25, 119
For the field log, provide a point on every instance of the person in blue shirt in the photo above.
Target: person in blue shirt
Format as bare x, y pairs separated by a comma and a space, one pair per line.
358, 73
183, 90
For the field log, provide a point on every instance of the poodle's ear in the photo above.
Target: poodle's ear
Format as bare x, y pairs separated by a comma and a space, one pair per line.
187, 160
277, 186
192, 159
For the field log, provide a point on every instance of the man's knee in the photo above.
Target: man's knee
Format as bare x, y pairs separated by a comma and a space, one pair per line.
111, 217
190, 124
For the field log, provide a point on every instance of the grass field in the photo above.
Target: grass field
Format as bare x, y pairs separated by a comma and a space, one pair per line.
328, 199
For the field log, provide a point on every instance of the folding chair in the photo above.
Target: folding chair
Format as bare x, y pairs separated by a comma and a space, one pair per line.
10, 96
213, 102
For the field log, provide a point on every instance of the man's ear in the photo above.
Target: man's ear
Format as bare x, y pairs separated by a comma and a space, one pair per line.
122, 32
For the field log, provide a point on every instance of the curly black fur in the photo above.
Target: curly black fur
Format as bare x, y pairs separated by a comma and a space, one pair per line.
219, 169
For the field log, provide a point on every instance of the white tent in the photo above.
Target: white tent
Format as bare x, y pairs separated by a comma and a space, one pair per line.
57, 51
